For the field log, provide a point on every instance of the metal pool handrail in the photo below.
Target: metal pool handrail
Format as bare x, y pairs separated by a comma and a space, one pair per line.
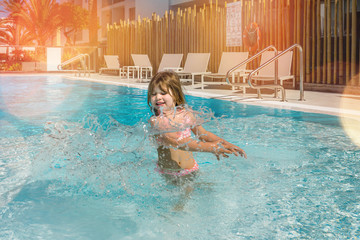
276, 70
84, 60
249, 60
249, 83
277, 56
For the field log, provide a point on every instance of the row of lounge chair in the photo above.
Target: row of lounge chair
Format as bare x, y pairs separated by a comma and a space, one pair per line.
196, 65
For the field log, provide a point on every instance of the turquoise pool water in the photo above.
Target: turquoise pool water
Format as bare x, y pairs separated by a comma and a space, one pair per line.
76, 162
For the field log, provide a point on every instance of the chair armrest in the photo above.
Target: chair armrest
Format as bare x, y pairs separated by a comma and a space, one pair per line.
175, 69
145, 67
131, 67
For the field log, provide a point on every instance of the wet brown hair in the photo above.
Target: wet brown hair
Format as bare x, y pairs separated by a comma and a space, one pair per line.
168, 82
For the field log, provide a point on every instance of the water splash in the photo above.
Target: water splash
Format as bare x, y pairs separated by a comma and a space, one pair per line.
94, 154
98, 155
180, 118
14, 162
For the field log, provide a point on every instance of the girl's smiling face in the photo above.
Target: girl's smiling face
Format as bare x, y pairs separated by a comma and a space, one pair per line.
161, 99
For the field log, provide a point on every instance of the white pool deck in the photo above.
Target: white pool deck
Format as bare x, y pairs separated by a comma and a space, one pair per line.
345, 105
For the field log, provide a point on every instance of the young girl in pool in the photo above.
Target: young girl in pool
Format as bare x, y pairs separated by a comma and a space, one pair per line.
173, 123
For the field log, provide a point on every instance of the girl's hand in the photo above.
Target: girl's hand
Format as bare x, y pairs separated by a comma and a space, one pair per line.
223, 148
235, 149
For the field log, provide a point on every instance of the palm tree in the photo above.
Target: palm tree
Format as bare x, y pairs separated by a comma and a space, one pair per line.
14, 34
13, 8
73, 19
41, 18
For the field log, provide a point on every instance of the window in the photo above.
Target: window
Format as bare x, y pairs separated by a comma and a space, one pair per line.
118, 14
132, 14
106, 3
79, 36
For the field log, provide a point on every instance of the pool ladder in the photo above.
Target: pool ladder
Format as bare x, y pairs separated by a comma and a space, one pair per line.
276, 86
84, 61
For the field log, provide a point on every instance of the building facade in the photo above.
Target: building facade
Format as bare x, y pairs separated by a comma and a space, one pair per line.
112, 11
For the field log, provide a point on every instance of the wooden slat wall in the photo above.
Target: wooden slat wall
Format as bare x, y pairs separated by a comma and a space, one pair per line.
330, 47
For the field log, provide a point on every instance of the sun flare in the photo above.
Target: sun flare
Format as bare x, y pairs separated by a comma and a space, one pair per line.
350, 119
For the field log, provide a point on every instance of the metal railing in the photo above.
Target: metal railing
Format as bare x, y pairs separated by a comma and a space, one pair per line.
249, 60
275, 58
84, 61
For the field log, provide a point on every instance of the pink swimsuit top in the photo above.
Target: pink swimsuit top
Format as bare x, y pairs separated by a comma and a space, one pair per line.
180, 134
184, 134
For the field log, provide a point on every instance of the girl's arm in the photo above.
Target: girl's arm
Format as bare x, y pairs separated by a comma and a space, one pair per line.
190, 144
207, 136
210, 143
204, 135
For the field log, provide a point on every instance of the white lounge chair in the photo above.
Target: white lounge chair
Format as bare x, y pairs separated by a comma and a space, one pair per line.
170, 62
228, 61
112, 64
268, 72
142, 67
195, 64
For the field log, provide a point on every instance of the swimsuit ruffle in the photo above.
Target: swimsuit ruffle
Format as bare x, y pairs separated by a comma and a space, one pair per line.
181, 172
